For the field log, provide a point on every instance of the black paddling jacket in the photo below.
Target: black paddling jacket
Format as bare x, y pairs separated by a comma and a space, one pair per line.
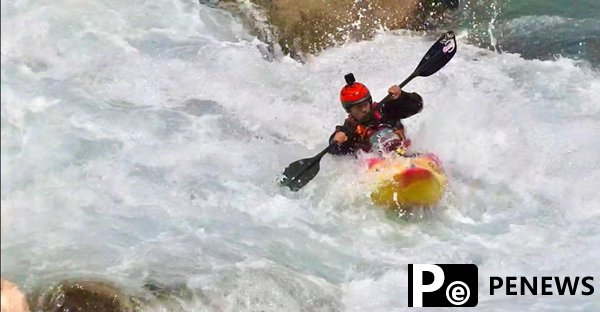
388, 114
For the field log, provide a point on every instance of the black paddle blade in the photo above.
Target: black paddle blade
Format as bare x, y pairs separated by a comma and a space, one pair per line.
299, 173
438, 55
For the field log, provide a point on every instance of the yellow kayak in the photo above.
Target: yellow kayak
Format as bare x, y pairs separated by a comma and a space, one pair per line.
404, 182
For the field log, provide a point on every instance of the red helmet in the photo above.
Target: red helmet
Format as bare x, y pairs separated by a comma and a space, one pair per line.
353, 93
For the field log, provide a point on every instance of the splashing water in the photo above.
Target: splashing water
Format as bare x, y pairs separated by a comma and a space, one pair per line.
143, 142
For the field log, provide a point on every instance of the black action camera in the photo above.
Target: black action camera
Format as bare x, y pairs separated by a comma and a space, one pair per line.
350, 79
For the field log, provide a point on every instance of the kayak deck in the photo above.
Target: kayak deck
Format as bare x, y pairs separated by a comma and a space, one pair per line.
402, 182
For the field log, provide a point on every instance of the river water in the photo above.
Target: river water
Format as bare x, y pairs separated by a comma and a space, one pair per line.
142, 142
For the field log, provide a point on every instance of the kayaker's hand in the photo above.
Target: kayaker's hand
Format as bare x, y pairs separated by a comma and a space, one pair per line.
395, 91
340, 137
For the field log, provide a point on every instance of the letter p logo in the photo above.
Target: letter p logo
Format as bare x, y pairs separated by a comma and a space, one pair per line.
442, 285
417, 287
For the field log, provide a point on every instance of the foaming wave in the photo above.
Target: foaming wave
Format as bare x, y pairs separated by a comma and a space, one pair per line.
143, 160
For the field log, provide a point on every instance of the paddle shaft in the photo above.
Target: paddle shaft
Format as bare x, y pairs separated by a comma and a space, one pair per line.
316, 159
416, 73
388, 97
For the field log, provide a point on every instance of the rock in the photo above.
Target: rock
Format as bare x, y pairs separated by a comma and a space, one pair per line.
83, 296
309, 26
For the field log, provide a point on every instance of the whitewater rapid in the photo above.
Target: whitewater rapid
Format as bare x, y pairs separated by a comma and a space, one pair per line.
144, 141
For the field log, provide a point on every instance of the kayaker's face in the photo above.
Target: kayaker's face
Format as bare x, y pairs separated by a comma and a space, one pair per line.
361, 110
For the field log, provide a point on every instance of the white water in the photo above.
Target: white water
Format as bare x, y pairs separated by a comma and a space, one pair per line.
141, 142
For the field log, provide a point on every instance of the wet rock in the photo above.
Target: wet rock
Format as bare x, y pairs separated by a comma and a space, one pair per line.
309, 26
83, 296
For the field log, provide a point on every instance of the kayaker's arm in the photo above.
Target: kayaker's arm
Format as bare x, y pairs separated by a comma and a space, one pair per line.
343, 148
408, 104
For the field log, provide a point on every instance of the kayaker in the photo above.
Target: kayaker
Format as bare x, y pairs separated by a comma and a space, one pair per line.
366, 117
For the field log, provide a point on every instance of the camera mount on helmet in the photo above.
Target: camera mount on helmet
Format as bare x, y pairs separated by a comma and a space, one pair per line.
350, 80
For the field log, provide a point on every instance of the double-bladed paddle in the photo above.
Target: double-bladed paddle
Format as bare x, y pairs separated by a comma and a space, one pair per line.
300, 172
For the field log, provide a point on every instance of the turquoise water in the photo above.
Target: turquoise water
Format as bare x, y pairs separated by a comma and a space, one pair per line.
536, 29
578, 9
